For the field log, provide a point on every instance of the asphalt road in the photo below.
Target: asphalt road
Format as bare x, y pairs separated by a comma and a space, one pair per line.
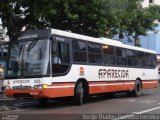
120, 106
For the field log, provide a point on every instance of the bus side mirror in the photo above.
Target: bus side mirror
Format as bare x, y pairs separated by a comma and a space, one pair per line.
3, 51
51, 38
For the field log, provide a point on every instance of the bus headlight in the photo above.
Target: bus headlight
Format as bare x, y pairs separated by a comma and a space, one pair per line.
45, 86
7, 87
40, 86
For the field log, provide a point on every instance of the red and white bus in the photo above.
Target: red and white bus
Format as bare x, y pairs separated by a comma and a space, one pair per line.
51, 63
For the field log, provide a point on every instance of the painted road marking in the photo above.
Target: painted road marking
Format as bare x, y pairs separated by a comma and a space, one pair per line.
126, 100
145, 111
112, 100
149, 101
135, 100
6, 108
132, 100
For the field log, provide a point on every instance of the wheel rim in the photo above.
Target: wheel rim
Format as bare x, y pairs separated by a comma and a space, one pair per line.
139, 88
81, 95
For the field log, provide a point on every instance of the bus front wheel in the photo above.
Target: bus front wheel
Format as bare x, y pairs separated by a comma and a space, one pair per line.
138, 89
43, 101
79, 94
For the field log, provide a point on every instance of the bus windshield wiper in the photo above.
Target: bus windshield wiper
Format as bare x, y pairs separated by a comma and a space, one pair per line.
20, 51
32, 44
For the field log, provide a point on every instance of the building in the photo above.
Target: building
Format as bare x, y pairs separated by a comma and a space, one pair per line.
152, 39
147, 3
158, 59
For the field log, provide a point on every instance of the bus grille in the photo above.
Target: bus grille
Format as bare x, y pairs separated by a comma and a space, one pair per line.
22, 95
22, 88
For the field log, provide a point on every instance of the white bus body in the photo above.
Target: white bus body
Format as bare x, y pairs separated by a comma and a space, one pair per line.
94, 77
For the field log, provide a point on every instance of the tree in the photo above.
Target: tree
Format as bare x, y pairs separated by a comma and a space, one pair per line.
80, 16
155, 10
128, 19
125, 18
11, 15
138, 22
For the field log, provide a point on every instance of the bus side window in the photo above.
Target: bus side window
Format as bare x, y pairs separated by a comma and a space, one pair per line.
148, 60
140, 59
108, 54
94, 53
131, 57
60, 57
55, 54
79, 51
121, 56
154, 61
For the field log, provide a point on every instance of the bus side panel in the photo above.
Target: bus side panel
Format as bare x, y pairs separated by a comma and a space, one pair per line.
59, 90
148, 84
103, 87
128, 85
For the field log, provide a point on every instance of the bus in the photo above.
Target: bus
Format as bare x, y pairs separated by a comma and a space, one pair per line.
51, 63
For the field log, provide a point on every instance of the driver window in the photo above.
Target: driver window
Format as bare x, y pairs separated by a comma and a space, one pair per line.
55, 54
60, 57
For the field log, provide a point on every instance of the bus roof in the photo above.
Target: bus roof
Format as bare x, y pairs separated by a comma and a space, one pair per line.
98, 40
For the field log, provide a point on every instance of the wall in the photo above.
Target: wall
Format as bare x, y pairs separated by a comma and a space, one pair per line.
157, 2
149, 41
146, 3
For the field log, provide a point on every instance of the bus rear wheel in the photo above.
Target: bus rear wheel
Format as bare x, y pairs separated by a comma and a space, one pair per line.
79, 94
138, 89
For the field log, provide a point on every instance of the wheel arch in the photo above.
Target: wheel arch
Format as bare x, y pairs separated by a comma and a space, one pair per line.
84, 84
139, 79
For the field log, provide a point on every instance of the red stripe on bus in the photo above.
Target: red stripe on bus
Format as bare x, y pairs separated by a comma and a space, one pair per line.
103, 87
148, 84
67, 89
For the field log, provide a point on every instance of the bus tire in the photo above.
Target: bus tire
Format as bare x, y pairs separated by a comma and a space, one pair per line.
79, 94
43, 101
129, 93
138, 89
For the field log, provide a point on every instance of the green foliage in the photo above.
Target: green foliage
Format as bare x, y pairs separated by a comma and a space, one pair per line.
155, 11
90, 17
128, 19
10, 14
79, 16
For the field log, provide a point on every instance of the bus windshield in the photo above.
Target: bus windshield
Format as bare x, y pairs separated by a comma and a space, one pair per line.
29, 58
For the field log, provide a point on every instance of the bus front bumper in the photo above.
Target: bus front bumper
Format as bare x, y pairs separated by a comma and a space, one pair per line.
52, 92
39, 93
